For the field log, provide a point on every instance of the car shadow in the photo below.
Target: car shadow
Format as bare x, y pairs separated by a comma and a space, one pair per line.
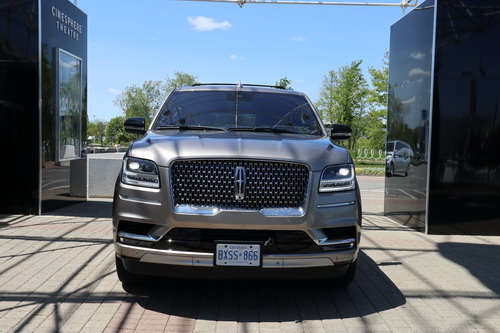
270, 301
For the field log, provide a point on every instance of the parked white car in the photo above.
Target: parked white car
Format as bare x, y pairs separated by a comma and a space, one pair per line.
398, 158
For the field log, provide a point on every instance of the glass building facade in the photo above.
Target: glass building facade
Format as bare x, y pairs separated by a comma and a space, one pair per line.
444, 88
43, 89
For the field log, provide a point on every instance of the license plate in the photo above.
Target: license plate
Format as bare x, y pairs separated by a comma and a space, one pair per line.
248, 255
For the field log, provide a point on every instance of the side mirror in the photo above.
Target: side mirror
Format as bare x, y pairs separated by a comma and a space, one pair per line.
340, 132
135, 125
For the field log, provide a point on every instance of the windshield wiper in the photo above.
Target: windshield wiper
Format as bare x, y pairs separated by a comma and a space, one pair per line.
190, 127
262, 129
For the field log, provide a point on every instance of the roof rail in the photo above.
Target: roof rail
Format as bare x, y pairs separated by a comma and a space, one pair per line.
238, 84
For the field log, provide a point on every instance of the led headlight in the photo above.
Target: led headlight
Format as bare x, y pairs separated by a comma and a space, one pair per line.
337, 178
140, 172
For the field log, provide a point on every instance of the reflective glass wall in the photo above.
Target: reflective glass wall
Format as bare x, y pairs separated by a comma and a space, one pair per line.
43, 112
64, 107
465, 169
407, 151
19, 107
445, 78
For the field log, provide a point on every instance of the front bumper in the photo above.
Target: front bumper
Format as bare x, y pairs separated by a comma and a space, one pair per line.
324, 211
191, 265
201, 259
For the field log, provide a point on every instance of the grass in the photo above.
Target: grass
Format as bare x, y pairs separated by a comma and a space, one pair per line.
370, 168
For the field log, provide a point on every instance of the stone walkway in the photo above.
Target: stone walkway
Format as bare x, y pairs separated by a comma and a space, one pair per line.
57, 275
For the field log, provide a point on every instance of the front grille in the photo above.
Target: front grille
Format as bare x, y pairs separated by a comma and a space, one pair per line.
212, 183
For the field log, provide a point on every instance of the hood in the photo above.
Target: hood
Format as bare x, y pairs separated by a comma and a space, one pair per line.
166, 146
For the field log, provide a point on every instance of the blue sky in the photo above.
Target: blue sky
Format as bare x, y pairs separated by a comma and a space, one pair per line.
132, 41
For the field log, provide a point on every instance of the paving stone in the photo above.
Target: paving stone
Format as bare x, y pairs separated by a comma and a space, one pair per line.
57, 274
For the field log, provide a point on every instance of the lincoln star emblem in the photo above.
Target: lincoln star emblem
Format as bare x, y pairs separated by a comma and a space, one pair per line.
240, 182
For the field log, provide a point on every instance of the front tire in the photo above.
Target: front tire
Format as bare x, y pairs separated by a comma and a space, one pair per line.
125, 276
407, 172
390, 172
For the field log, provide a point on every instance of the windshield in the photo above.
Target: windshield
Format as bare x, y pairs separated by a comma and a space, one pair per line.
390, 147
232, 110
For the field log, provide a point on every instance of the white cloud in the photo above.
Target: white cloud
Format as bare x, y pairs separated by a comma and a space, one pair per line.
298, 39
417, 55
114, 91
202, 23
409, 101
235, 57
418, 71
298, 81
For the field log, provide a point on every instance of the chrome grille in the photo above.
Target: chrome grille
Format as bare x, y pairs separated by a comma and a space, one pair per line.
211, 183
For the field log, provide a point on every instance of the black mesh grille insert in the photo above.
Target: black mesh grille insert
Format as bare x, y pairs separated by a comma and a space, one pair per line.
134, 227
212, 183
202, 240
340, 233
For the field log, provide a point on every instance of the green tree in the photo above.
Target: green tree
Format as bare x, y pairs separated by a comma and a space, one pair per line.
146, 100
115, 131
380, 83
141, 101
180, 79
343, 98
97, 130
284, 82
91, 130
375, 129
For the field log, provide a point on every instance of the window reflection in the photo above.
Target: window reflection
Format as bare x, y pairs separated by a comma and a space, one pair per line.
70, 109
408, 119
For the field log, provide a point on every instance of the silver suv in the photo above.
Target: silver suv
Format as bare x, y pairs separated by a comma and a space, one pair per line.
236, 182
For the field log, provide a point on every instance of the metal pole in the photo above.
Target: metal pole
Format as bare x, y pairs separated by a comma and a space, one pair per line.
403, 4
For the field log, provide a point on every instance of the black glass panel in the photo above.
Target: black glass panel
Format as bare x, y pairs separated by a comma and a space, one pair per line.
19, 111
408, 119
465, 163
64, 107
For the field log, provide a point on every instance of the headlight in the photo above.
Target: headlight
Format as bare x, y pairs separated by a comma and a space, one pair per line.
337, 178
140, 172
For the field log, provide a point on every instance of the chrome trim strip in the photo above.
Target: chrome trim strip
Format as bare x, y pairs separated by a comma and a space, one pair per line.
176, 260
325, 242
282, 211
341, 204
139, 200
206, 259
139, 188
196, 210
147, 238
212, 211
431, 119
312, 262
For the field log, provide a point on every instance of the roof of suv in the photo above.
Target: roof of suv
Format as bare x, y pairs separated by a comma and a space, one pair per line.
239, 87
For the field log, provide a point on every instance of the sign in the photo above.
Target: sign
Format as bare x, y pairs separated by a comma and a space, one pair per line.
248, 255
66, 24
